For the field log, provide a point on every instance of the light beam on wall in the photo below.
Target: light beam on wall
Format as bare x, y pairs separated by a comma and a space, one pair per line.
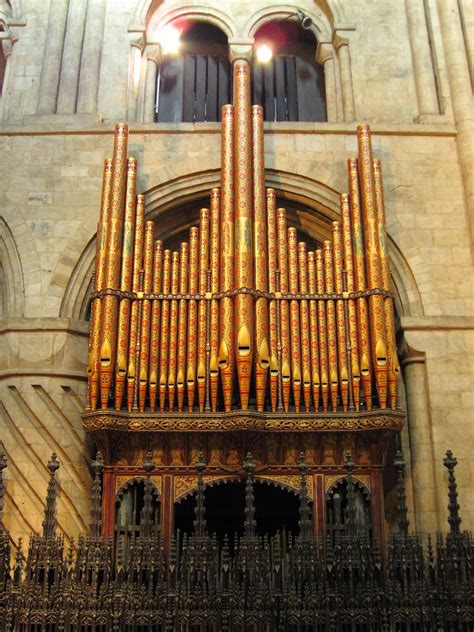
264, 53
169, 39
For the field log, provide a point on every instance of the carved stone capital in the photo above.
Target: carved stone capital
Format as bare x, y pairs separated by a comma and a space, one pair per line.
241, 48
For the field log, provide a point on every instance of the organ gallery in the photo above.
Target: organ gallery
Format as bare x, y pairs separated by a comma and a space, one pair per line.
245, 339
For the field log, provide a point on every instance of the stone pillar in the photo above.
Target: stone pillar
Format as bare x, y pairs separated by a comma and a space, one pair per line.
90, 58
67, 94
150, 89
49, 81
346, 81
133, 80
421, 442
461, 96
325, 56
422, 59
241, 48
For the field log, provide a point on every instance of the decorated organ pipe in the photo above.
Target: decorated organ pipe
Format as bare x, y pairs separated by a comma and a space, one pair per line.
262, 350
272, 307
304, 319
285, 361
351, 303
214, 324
244, 278
192, 316
155, 324
360, 283
294, 317
109, 316
372, 258
93, 367
126, 282
202, 307
146, 317
392, 358
173, 330
242, 303
182, 326
226, 320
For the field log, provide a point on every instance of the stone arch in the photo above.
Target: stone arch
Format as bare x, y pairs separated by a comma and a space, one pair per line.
321, 204
132, 481
157, 16
321, 26
12, 274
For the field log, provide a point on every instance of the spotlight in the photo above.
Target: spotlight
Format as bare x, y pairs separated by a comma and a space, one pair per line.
169, 39
264, 53
305, 21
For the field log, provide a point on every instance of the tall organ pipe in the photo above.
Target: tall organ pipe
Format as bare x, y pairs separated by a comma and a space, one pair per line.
360, 283
340, 316
109, 314
173, 330
202, 307
285, 368
126, 282
294, 317
155, 323
393, 365
262, 350
183, 317
331, 325
164, 341
226, 346
146, 316
192, 316
272, 287
313, 320
304, 318
323, 334
244, 316
351, 307
99, 284
372, 258
214, 325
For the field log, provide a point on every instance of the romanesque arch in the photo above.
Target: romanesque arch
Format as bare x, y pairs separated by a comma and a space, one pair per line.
12, 286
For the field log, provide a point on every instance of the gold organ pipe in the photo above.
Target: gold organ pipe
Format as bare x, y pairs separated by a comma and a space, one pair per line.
226, 347
304, 316
294, 317
126, 282
135, 310
360, 283
340, 316
243, 229
164, 341
351, 304
155, 323
192, 315
323, 333
183, 313
272, 287
214, 326
99, 279
313, 323
284, 308
331, 324
108, 345
202, 307
372, 258
173, 330
146, 316
262, 355
393, 365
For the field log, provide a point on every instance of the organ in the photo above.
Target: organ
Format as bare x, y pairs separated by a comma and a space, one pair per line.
245, 326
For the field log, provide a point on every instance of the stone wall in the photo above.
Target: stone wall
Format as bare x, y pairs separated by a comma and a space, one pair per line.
50, 181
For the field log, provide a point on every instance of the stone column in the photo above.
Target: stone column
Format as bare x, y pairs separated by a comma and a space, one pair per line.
422, 59
67, 94
150, 89
346, 81
461, 96
133, 80
241, 48
421, 442
49, 81
90, 58
325, 56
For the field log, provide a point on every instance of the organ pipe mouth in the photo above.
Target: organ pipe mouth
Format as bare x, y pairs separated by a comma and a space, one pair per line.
201, 372
105, 353
243, 341
223, 354
285, 372
364, 365
264, 354
380, 353
214, 367
273, 366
